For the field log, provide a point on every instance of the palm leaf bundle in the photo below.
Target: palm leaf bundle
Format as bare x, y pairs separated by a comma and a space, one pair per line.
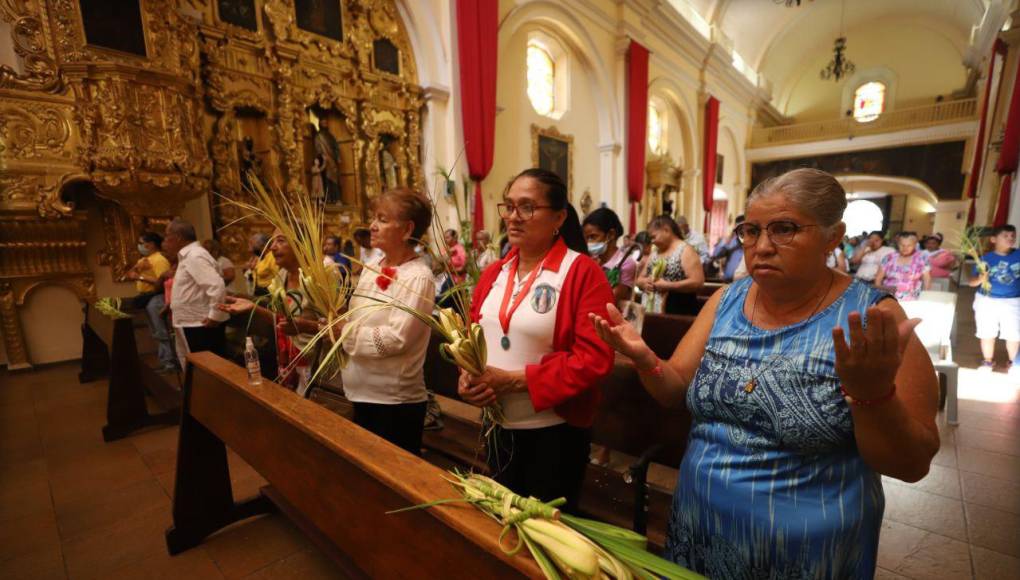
971, 246
111, 308
562, 544
301, 222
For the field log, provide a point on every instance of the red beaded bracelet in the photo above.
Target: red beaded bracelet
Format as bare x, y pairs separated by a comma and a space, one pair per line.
868, 402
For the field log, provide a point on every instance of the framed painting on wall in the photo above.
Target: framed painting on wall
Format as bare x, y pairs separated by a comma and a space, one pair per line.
553, 151
321, 17
114, 24
241, 13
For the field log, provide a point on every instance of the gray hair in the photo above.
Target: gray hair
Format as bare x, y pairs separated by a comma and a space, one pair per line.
259, 238
812, 191
182, 228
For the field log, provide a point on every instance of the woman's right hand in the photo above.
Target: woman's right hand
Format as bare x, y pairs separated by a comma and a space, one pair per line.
236, 305
623, 337
479, 395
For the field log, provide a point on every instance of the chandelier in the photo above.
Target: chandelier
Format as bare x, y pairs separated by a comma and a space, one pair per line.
840, 66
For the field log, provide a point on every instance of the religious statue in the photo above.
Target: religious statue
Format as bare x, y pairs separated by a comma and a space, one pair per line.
250, 162
388, 164
667, 200
328, 150
318, 191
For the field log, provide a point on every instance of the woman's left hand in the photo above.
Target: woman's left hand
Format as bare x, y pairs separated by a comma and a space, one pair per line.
867, 367
298, 326
501, 381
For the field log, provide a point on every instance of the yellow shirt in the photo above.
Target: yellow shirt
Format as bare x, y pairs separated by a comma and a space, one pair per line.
265, 270
153, 267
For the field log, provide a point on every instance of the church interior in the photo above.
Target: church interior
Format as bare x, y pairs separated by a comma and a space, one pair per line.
145, 144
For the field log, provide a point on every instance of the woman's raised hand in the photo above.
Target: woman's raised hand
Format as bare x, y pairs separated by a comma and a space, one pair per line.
620, 335
236, 305
867, 366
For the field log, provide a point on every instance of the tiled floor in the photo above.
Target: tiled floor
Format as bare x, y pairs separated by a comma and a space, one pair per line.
74, 507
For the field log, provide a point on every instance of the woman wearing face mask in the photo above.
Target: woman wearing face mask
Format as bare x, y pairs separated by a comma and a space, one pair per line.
149, 273
544, 359
602, 229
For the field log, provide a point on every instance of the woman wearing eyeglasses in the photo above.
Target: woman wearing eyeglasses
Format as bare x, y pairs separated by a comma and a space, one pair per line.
544, 358
793, 427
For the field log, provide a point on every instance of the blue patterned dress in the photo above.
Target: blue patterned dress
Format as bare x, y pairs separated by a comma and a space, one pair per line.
772, 485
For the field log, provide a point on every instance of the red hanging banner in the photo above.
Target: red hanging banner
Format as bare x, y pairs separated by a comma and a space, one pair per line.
1002, 208
711, 146
999, 50
637, 126
477, 36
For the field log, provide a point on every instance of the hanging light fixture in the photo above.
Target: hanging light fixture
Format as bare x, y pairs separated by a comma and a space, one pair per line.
789, 3
840, 66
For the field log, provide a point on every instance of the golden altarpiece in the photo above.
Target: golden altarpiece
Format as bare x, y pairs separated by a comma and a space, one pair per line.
140, 106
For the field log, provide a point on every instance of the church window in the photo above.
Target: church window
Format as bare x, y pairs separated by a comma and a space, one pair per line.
541, 79
869, 101
656, 129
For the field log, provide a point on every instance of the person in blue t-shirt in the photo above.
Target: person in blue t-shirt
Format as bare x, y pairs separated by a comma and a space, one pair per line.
997, 302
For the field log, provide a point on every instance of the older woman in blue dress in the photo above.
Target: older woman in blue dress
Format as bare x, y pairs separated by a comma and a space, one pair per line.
793, 423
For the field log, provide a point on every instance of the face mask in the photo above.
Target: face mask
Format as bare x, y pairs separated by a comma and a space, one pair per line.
143, 250
596, 249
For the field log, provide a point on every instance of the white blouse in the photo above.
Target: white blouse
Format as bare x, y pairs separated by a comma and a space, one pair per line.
387, 346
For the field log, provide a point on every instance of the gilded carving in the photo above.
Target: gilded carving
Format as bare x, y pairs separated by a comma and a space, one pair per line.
14, 340
553, 159
29, 35
152, 132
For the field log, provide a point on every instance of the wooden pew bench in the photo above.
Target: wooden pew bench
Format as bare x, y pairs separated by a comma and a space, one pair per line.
110, 347
334, 479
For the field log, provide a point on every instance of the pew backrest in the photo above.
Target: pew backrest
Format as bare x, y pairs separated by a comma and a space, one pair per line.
344, 479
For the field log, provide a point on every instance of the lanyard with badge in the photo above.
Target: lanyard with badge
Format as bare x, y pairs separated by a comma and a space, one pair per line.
517, 297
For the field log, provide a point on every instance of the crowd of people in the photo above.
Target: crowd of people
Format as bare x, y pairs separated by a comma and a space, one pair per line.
804, 379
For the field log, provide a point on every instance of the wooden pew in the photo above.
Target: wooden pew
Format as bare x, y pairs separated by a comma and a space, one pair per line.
336, 480
109, 348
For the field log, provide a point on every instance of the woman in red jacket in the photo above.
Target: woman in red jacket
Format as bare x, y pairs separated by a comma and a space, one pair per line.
544, 358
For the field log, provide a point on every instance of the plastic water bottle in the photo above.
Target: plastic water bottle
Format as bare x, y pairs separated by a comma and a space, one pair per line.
251, 362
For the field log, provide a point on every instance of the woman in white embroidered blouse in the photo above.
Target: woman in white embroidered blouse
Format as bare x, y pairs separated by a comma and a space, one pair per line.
384, 377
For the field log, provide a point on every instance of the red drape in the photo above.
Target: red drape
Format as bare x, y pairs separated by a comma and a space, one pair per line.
1002, 209
999, 50
711, 145
637, 126
477, 35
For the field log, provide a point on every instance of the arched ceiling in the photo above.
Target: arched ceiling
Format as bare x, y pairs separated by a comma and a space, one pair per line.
780, 42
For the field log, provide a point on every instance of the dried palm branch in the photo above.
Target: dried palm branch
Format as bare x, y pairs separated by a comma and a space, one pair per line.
972, 247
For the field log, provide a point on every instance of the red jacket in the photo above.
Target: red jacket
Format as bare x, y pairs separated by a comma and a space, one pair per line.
566, 379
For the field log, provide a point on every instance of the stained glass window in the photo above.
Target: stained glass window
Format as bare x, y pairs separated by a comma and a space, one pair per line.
869, 101
656, 129
541, 79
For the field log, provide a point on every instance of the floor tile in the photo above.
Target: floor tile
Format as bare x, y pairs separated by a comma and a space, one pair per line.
987, 463
994, 529
105, 549
991, 492
896, 542
306, 565
937, 557
253, 544
930, 512
95, 472
987, 441
194, 564
43, 564
156, 440
989, 565
160, 461
19, 501
105, 509
883, 574
28, 534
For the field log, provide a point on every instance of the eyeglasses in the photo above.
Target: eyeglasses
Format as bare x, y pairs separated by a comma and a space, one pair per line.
525, 210
779, 232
